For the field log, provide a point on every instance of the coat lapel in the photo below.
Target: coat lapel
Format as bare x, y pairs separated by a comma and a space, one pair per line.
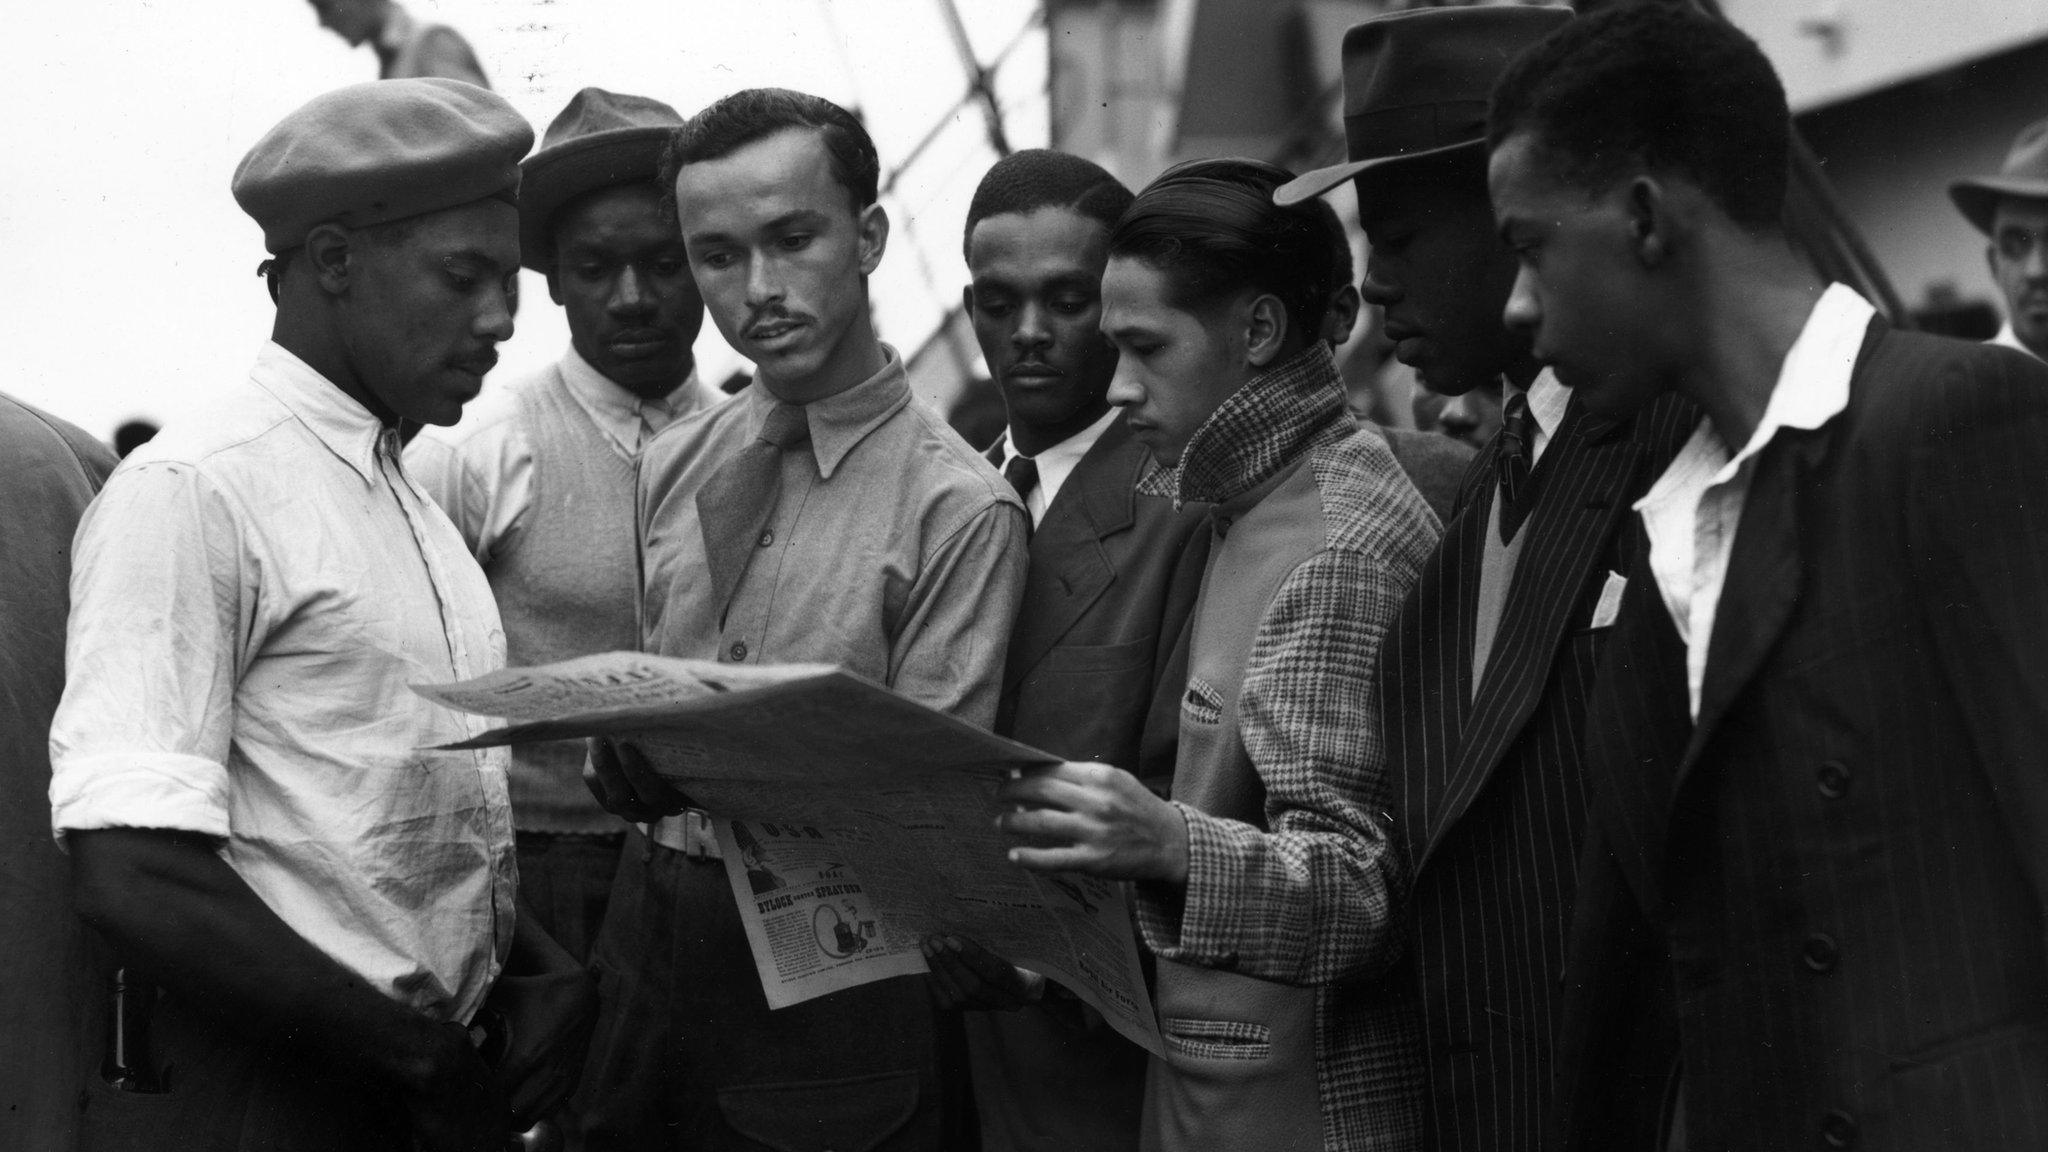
1582, 499
1070, 569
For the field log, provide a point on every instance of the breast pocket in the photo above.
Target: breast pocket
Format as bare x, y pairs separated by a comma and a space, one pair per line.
1201, 704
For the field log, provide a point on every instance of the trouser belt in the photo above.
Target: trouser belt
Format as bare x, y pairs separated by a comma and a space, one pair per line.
688, 832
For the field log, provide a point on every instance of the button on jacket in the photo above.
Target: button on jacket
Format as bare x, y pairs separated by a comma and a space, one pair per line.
251, 596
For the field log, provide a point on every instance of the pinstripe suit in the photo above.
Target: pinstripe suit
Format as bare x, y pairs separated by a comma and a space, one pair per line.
1845, 861
1489, 788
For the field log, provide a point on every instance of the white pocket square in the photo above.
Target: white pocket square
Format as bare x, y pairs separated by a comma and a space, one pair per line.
1609, 606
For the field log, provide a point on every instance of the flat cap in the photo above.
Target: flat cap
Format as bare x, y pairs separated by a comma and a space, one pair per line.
381, 151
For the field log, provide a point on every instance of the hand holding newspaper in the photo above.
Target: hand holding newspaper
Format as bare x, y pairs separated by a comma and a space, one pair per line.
853, 821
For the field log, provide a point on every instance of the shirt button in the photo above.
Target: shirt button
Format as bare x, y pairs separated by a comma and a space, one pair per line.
1833, 779
1838, 1130
767, 537
1820, 953
738, 651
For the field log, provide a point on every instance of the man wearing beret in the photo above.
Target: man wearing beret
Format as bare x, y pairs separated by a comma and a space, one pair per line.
539, 475
258, 811
1485, 675
2012, 209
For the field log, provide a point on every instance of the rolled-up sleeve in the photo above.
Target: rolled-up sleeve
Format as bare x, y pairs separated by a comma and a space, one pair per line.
159, 618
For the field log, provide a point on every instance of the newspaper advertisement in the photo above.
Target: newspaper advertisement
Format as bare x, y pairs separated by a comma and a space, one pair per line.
853, 822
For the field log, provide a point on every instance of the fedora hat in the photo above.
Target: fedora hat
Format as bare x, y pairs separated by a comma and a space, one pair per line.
2025, 174
1416, 84
600, 139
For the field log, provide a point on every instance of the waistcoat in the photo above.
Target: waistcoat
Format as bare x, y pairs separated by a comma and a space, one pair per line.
1240, 1069
568, 584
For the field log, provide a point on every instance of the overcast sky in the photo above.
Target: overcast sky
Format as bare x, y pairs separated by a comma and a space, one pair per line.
130, 281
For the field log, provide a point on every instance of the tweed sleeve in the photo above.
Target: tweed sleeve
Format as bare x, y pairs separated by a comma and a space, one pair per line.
1312, 900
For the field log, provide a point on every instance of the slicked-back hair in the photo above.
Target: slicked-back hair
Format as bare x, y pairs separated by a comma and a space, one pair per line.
744, 117
1023, 182
1657, 87
1211, 226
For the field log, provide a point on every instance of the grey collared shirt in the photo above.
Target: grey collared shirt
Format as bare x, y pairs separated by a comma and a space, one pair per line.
895, 551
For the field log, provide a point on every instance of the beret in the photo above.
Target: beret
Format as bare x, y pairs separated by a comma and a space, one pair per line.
600, 139
381, 151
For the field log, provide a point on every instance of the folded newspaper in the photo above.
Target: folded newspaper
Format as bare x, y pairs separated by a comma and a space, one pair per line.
853, 821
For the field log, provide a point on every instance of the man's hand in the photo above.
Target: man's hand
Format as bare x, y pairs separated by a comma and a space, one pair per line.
452, 1099
966, 975
546, 1021
1094, 819
626, 784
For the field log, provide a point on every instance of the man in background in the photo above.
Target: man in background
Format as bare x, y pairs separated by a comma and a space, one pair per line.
822, 516
405, 47
2012, 209
1485, 674
1098, 658
52, 983
539, 476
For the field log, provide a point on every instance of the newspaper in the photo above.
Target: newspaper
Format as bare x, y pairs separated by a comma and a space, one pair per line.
853, 822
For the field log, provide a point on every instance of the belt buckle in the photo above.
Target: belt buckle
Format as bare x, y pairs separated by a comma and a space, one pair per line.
689, 832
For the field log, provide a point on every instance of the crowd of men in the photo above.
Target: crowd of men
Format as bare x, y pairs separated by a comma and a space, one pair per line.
1667, 776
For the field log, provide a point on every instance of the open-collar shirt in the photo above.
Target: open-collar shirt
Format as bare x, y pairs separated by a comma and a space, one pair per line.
1692, 512
252, 595
894, 550
482, 469
1055, 464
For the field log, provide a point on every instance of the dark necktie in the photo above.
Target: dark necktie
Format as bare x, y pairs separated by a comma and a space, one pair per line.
737, 501
1517, 444
1022, 473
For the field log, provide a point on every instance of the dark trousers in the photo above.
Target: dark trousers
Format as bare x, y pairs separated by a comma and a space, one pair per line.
688, 1054
565, 881
229, 1092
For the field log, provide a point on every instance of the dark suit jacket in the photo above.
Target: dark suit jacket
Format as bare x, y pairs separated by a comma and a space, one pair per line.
1846, 860
1435, 464
1492, 805
1097, 665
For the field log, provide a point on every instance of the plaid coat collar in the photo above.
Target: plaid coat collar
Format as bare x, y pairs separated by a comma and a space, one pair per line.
1275, 419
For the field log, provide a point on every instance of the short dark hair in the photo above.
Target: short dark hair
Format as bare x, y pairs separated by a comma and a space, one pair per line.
744, 117
1023, 182
1657, 86
1212, 227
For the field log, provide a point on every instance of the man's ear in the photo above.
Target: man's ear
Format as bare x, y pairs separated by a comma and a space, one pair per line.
328, 254
874, 238
967, 302
1647, 205
1342, 315
1265, 329
1991, 259
555, 284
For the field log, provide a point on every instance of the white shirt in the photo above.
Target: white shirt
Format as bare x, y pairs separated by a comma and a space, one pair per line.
251, 595
2010, 339
1692, 512
1548, 400
482, 468
1055, 464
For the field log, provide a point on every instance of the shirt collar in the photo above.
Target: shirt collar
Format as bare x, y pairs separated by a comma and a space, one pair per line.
1813, 384
1063, 455
2010, 339
1548, 400
617, 411
348, 429
1812, 389
843, 419
1290, 409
